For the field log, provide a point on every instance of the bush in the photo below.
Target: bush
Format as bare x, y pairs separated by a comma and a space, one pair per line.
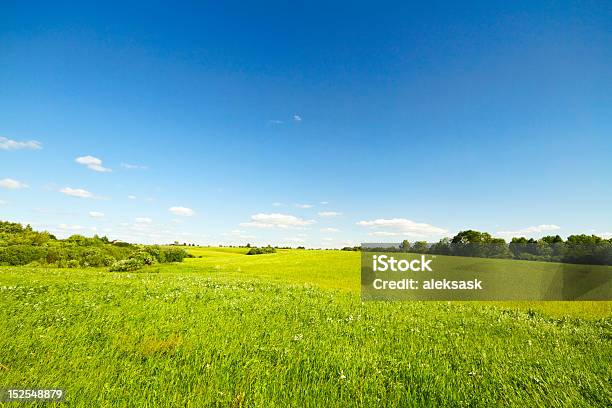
108, 260
144, 257
95, 257
156, 252
73, 263
174, 254
262, 250
126, 265
355, 248
20, 245
21, 254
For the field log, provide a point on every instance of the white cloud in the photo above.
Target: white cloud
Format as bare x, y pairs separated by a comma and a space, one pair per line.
275, 122
129, 166
277, 204
143, 220
2, 202
96, 214
324, 203
330, 229
92, 163
536, 229
12, 184
182, 211
8, 144
275, 220
296, 240
330, 214
71, 227
238, 234
75, 227
131, 197
76, 192
303, 205
384, 234
297, 118
401, 226
605, 235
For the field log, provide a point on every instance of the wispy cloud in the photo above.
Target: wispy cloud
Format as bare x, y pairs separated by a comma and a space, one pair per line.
8, 144
298, 205
77, 192
536, 229
182, 211
330, 229
384, 234
330, 214
275, 122
277, 204
96, 214
282, 221
297, 118
75, 227
143, 220
2, 202
401, 227
238, 234
92, 163
129, 166
131, 197
12, 184
324, 203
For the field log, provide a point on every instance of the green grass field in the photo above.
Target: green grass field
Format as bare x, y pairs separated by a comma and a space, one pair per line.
289, 329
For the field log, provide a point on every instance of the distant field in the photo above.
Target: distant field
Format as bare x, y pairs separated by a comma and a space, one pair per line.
341, 270
289, 329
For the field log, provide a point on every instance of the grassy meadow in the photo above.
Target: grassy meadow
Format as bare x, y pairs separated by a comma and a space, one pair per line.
289, 329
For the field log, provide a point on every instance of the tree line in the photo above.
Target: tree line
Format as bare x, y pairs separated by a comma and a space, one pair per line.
21, 245
578, 249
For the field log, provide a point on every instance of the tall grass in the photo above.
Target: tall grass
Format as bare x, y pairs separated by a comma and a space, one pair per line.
286, 329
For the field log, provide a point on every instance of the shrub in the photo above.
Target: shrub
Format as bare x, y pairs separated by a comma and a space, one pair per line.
109, 260
126, 265
156, 252
94, 257
73, 263
53, 256
174, 254
21, 254
262, 250
144, 257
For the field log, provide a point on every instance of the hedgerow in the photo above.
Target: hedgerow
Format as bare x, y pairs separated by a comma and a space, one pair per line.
21, 245
262, 250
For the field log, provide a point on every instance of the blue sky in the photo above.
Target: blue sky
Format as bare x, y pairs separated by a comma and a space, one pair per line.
306, 123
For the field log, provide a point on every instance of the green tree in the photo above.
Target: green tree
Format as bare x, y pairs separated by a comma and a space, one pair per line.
420, 247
